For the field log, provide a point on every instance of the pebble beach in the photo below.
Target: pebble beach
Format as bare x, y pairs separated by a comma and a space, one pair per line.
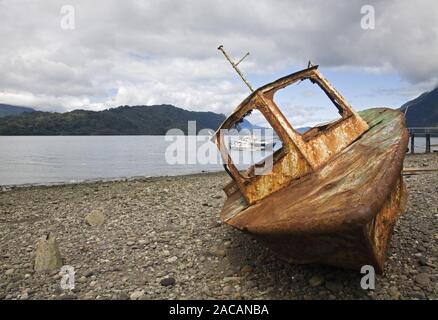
161, 238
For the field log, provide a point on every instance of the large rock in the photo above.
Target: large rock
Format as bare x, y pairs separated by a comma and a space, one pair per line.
422, 279
167, 282
95, 218
48, 258
316, 281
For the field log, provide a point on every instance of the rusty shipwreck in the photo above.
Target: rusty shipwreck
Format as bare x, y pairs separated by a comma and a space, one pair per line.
333, 194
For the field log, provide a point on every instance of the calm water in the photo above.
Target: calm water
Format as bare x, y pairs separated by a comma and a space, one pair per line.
58, 159
420, 144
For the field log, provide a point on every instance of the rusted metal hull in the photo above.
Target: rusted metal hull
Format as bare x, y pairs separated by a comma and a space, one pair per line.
341, 213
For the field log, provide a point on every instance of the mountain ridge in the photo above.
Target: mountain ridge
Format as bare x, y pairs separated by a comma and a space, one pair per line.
422, 111
123, 120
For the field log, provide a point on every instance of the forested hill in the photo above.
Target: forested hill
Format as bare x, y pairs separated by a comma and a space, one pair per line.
124, 120
423, 110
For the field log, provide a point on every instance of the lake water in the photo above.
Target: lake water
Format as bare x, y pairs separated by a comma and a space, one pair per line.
58, 159
420, 144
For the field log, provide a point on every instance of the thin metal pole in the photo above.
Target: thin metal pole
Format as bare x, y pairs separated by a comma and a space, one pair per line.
221, 48
412, 142
427, 142
243, 58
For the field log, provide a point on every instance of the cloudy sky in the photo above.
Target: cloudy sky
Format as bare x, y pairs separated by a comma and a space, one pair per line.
155, 52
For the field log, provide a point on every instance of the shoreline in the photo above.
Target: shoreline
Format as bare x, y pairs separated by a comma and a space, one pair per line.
9, 187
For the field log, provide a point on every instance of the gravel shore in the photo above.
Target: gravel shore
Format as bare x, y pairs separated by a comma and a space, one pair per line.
162, 239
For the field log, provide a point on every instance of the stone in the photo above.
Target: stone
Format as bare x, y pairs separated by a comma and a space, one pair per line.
334, 286
217, 252
424, 262
9, 272
227, 289
316, 281
68, 297
221, 253
206, 291
82, 279
246, 269
47, 257
417, 295
250, 284
422, 279
237, 296
123, 296
136, 295
231, 279
24, 296
89, 274
172, 259
167, 282
215, 224
95, 218
394, 293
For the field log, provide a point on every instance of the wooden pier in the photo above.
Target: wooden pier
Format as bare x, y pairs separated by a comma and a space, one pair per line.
422, 132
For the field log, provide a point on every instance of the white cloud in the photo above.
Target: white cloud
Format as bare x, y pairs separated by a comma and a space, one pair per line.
145, 52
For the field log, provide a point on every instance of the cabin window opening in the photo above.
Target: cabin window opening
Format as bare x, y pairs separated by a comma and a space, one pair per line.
252, 144
307, 105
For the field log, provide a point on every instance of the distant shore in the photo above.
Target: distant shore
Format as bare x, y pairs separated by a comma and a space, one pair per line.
159, 228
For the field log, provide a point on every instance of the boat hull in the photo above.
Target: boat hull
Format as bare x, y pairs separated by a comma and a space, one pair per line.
350, 249
341, 215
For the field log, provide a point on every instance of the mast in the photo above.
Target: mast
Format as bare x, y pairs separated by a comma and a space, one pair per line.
234, 65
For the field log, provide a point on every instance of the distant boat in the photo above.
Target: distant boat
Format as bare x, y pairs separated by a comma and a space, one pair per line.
251, 143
